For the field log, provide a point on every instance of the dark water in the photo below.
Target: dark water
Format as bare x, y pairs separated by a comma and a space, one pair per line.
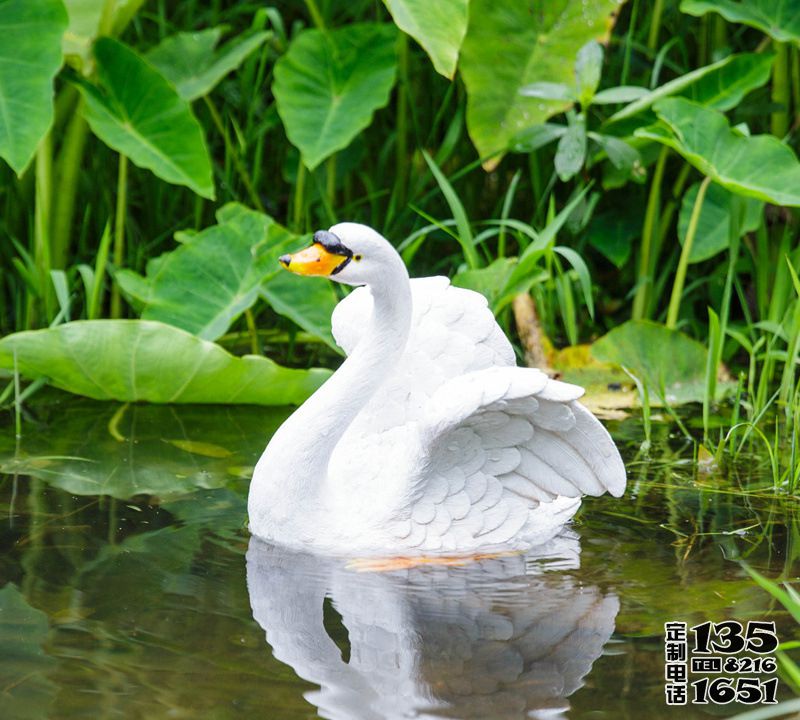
130, 588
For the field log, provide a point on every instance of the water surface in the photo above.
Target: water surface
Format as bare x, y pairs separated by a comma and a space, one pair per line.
129, 587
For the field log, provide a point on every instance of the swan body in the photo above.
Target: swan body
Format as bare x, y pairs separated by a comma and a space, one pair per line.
428, 439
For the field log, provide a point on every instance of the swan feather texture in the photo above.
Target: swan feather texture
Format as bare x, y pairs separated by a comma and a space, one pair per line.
430, 439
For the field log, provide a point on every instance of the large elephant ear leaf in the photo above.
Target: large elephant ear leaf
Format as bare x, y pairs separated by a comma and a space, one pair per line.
137, 112
329, 84
209, 280
140, 360
438, 26
778, 18
509, 46
194, 64
760, 167
30, 57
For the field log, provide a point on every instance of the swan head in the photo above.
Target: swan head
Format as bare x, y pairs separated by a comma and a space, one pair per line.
349, 253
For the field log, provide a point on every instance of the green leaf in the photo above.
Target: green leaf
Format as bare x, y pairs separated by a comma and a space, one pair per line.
85, 19
91, 448
613, 233
308, 302
724, 88
759, 166
549, 91
133, 360
438, 26
30, 57
588, 66
465, 237
523, 275
780, 19
192, 64
139, 114
720, 85
488, 281
713, 227
211, 279
329, 84
619, 94
621, 154
509, 46
84, 22
659, 357
571, 151
27, 691
582, 271
536, 136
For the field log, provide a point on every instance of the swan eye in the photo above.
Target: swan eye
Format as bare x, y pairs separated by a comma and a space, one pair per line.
357, 257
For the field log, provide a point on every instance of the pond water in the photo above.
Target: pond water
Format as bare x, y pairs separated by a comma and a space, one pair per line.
129, 587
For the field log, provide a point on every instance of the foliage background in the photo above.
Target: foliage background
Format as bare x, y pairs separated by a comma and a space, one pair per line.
625, 166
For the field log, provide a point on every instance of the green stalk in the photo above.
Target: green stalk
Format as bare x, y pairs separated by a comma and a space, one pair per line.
68, 167
401, 143
330, 181
119, 232
795, 80
714, 350
626, 58
42, 217
253, 331
95, 299
316, 15
298, 221
719, 40
17, 401
233, 153
781, 91
683, 263
793, 343
504, 213
655, 24
645, 280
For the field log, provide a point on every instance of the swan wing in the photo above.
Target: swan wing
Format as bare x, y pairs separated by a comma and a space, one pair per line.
504, 453
453, 332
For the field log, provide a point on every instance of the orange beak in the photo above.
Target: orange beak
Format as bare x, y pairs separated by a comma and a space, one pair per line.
314, 260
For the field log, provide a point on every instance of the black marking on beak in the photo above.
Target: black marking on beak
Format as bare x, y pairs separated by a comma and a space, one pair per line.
334, 246
285, 260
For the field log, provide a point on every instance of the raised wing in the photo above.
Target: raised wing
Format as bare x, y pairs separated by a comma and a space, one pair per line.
507, 454
452, 332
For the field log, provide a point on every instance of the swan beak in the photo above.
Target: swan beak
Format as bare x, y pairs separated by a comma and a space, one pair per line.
314, 260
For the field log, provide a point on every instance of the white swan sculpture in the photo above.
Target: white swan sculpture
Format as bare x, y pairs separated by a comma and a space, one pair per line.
428, 440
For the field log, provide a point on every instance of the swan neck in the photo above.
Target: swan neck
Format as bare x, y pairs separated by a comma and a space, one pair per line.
301, 449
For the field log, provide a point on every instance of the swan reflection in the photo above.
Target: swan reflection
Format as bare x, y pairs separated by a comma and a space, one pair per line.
507, 637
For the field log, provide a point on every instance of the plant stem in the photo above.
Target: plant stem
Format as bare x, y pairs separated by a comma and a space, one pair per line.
17, 401
655, 24
645, 280
41, 252
330, 180
316, 15
781, 91
298, 222
795, 82
401, 144
119, 232
233, 152
626, 57
253, 330
683, 263
68, 167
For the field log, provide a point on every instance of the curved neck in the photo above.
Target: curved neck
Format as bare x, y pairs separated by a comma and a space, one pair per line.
296, 459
